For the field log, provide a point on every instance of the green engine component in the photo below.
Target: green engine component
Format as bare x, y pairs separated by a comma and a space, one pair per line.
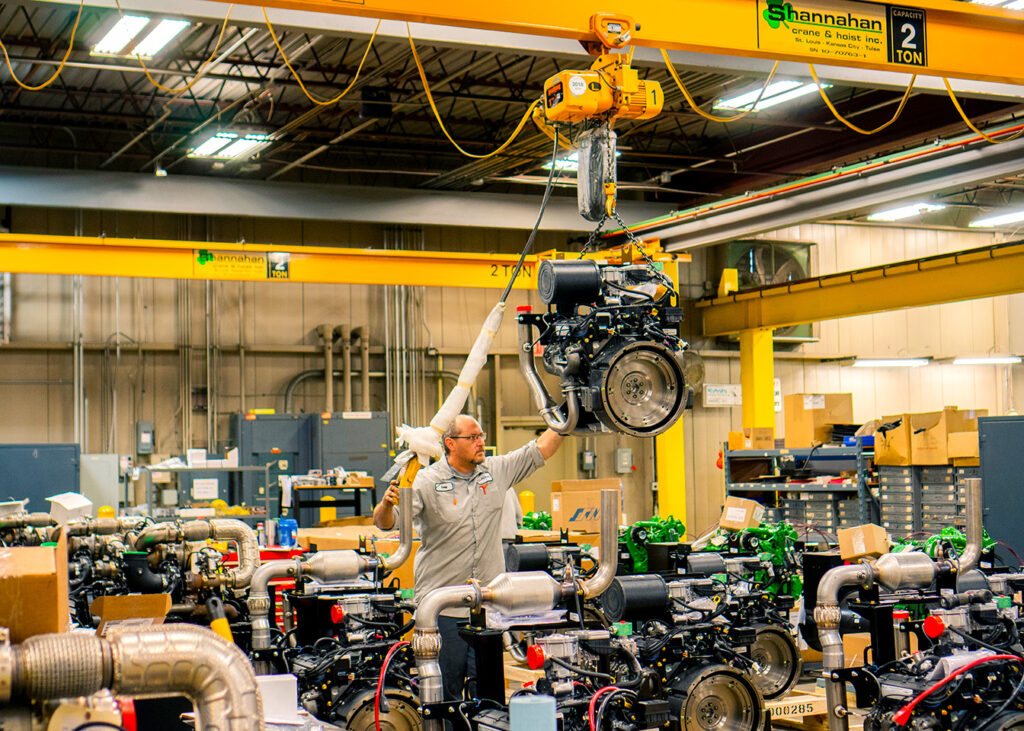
774, 543
950, 537
947, 541
656, 530
537, 520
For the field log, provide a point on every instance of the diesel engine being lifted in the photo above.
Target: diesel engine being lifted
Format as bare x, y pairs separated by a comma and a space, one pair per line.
611, 336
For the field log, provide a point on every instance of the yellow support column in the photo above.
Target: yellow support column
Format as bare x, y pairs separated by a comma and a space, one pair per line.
757, 376
670, 453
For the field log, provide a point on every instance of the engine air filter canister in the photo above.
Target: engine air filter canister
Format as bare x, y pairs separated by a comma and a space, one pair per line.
633, 597
705, 564
567, 283
526, 557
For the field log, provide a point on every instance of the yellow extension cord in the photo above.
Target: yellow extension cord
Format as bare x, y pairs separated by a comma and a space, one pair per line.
71, 44
701, 112
437, 115
848, 123
298, 78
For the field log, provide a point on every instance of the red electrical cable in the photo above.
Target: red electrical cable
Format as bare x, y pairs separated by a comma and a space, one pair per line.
903, 715
380, 681
593, 703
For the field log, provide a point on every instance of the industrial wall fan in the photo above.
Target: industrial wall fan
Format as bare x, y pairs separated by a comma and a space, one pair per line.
760, 263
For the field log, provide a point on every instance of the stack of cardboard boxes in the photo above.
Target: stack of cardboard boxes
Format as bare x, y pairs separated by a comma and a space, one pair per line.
942, 437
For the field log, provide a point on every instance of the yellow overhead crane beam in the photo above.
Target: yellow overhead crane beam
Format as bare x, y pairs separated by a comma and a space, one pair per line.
989, 271
931, 37
161, 259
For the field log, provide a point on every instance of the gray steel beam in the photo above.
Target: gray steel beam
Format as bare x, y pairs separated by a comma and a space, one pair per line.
185, 194
210, 11
887, 185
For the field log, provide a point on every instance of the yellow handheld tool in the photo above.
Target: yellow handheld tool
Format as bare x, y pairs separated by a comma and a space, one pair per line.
219, 619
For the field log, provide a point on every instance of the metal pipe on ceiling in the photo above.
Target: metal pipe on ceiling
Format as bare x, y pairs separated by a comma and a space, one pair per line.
861, 188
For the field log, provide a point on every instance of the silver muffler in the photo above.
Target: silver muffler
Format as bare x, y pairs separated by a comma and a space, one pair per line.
524, 592
153, 661
325, 566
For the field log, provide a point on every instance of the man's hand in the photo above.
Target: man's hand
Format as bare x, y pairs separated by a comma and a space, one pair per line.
548, 443
384, 513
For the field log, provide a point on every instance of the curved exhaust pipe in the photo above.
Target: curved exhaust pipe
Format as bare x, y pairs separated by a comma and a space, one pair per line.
549, 410
325, 566
162, 660
512, 593
893, 571
827, 615
233, 531
600, 581
971, 555
400, 556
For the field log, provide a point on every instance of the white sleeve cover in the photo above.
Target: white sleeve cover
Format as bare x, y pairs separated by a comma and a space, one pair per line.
425, 441
452, 405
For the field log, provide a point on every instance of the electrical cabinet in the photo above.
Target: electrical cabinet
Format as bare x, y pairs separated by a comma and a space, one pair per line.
294, 444
101, 479
36, 471
270, 438
356, 441
1000, 439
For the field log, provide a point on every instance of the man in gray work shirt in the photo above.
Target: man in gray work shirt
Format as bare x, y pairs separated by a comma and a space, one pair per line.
457, 504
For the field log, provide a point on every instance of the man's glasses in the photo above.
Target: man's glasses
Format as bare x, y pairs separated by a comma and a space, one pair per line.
473, 437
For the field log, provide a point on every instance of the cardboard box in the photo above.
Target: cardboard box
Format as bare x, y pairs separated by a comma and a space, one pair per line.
864, 540
809, 417
929, 439
961, 445
759, 437
34, 587
854, 648
923, 439
892, 447
130, 610
740, 513
576, 504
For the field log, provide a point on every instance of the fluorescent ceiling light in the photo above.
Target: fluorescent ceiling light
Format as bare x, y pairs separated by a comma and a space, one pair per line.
989, 360
213, 145
229, 146
570, 162
914, 209
244, 147
890, 362
998, 220
776, 93
123, 32
163, 34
